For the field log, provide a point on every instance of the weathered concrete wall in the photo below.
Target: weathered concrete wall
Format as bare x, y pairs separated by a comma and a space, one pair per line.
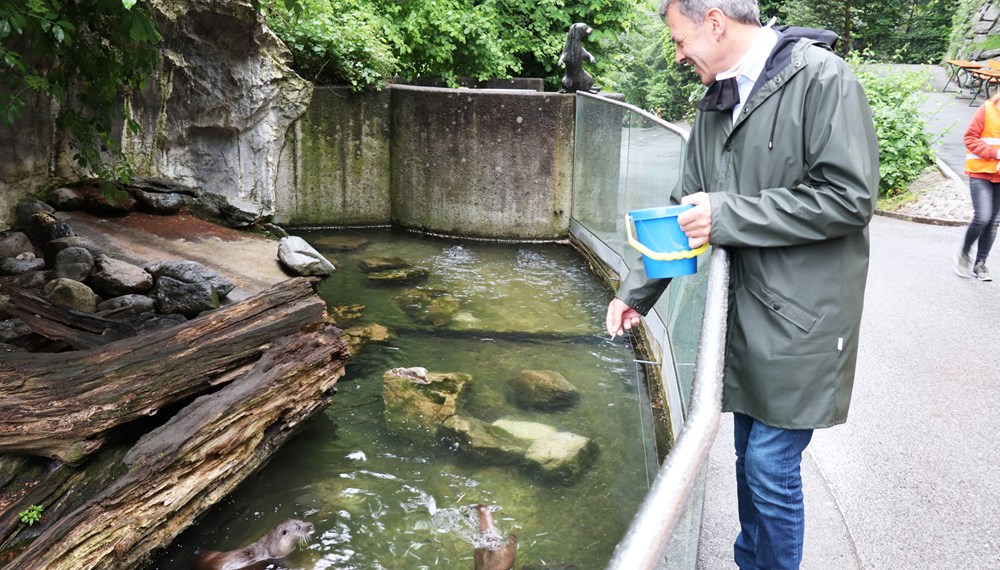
335, 169
466, 162
482, 163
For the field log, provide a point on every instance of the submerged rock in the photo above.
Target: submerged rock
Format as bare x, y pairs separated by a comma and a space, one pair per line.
341, 243
429, 306
525, 430
487, 443
357, 336
561, 457
377, 264
544, 390
417, 402
341, 313
405, 276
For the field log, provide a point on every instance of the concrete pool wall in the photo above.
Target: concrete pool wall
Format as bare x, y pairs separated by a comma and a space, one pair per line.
489, 163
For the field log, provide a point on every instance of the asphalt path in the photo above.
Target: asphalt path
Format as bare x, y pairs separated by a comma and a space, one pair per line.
911, 481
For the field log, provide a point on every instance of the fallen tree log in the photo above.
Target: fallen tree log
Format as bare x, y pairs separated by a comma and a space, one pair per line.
180, 469
79, 330
63, 405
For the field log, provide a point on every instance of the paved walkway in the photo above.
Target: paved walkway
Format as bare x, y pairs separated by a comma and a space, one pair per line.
911, 480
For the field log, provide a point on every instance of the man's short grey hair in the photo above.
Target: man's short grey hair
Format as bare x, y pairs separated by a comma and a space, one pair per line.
742, 11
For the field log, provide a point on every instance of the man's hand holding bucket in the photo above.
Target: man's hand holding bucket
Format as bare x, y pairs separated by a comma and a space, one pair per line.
696, 222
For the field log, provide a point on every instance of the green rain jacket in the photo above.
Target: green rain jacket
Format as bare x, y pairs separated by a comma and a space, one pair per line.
793, 185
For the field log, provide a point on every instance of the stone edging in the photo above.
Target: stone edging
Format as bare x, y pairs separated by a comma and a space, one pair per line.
947, 171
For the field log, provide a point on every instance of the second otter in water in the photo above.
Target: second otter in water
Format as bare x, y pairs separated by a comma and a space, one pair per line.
492, 556
278, 543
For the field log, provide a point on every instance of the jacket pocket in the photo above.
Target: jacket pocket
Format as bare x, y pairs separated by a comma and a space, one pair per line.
781, 306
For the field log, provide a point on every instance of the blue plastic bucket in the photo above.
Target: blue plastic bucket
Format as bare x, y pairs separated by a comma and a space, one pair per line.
659, 235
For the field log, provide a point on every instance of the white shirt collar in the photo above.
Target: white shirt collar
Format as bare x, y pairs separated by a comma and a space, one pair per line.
750, 66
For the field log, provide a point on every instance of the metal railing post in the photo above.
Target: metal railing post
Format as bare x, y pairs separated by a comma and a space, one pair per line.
649, 534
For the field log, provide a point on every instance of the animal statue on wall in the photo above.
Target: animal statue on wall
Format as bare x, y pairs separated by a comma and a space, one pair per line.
575, 78
276, 544
493, 556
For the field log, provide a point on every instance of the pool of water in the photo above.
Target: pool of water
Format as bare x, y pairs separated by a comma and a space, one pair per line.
379, 500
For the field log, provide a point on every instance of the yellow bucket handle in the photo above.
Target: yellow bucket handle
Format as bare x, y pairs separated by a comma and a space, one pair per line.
672, 256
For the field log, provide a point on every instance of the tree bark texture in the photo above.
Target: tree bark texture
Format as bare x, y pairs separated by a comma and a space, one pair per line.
63, 405
175, 472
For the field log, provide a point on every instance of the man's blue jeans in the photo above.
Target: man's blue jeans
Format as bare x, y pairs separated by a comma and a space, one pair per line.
769, 490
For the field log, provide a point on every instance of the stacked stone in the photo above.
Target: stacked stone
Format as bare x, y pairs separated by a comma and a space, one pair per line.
44, 255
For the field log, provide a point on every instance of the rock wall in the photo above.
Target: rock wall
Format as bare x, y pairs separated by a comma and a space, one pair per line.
985, 23
214, 116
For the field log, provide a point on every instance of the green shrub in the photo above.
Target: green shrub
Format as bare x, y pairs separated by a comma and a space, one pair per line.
335, 41
904, 145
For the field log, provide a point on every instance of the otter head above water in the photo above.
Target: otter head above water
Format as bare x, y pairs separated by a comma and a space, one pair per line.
493, 556
278, 543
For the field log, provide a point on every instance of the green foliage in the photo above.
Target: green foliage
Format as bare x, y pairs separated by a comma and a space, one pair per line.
447, 39
647, 73
915, 30
361, 42
31, 515
87, 55
904, 145
335, 41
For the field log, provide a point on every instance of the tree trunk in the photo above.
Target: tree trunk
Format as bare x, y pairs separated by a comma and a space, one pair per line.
180, 469
63, 405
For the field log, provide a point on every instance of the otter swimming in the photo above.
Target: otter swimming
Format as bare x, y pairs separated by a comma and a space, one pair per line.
493, 556
278, 543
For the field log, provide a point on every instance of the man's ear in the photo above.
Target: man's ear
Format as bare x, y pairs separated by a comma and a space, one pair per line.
717, 20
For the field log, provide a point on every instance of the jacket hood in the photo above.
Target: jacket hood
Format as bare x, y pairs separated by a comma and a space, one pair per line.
788, 36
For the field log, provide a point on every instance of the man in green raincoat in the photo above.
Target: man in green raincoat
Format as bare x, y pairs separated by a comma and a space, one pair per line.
782, 170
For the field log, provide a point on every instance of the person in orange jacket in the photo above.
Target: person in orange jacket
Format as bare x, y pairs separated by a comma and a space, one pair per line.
982, 164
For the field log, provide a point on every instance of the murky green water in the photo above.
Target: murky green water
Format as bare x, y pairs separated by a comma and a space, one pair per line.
378, 500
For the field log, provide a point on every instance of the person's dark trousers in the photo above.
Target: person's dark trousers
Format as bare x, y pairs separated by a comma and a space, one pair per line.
986, 216
769, 491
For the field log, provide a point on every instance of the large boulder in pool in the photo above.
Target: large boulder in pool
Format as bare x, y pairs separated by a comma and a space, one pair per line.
487, 443
417, 402
555, 456
544, 390
561, 456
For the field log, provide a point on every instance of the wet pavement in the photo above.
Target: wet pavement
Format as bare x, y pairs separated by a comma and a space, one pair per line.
910, 481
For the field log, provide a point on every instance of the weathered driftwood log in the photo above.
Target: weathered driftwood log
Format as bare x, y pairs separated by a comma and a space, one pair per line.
79, 330
180, 469
62, 405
